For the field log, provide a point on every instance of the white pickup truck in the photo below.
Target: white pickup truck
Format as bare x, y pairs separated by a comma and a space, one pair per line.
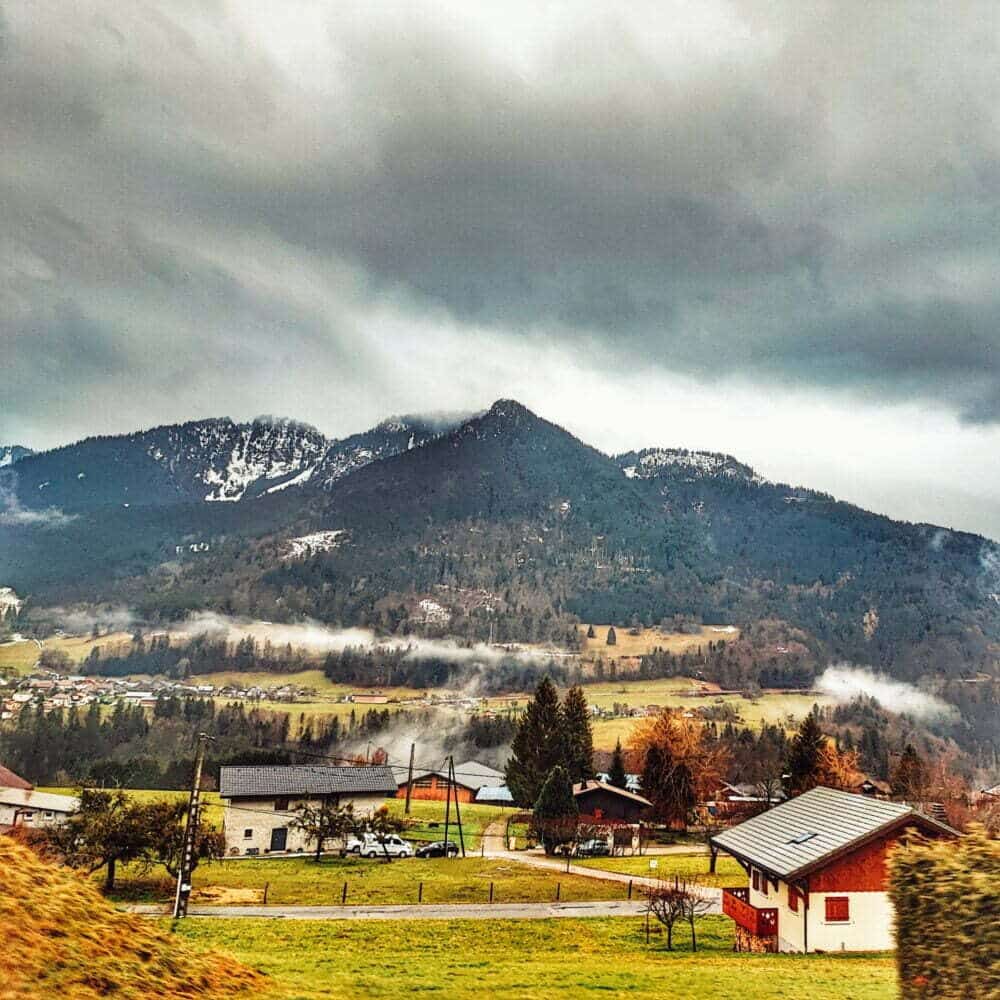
370, 846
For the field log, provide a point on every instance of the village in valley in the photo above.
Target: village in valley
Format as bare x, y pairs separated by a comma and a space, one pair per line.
797, 851
499, 499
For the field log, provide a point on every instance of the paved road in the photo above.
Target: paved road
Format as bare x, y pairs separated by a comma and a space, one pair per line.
429, 911
493, 847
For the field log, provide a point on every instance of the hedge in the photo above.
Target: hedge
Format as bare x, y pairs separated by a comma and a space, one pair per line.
947, 899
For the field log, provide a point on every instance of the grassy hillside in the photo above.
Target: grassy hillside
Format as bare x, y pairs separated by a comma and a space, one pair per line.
531, 960
63, 940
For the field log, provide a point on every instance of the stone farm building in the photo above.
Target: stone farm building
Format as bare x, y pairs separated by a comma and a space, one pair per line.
474, 782
260, 802
817, 872
27, 807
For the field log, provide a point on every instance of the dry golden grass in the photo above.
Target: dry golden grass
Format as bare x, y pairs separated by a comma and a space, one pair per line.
61, 938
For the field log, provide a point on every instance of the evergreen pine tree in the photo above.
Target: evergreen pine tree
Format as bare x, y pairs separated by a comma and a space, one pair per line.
804, 755
555, 812
590, 632
616, 772
538, 745
612, 637
578, 737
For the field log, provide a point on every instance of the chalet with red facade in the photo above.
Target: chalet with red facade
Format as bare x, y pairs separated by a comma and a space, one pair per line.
816, 867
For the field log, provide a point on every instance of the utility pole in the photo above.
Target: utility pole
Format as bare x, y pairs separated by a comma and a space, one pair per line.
458, 815
190, 834
409, 780
447, 813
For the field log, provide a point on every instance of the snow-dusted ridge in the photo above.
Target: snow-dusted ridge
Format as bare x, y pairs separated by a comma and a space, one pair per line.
651, 462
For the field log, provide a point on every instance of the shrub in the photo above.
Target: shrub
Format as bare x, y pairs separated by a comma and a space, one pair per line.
947, 899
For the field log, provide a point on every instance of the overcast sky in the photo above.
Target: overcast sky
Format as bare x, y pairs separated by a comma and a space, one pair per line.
763, 228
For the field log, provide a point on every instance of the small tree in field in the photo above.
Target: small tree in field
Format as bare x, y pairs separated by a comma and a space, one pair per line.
556, 813
323, 822
590, 632
667, 904
108, 828
670, 904
164, 821
612, 636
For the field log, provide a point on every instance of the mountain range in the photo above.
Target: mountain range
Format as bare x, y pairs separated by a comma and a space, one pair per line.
503, 520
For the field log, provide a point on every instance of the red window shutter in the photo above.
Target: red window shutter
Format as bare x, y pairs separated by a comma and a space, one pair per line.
838, 908
756, 880
793, 901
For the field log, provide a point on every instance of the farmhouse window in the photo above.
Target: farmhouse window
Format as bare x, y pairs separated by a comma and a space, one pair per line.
281, 805
248, 834
838, 909
763, 884
756, 880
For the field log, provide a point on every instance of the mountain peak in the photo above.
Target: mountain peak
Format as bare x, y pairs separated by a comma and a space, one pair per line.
510, 408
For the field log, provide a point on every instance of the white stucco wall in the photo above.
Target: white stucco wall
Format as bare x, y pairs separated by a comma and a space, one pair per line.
258, 817
870, 927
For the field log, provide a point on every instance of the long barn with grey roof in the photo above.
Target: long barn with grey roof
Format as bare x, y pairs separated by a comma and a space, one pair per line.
261, 802
816, 866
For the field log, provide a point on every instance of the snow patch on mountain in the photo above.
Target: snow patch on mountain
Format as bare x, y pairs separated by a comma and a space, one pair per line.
318, 541
651, 462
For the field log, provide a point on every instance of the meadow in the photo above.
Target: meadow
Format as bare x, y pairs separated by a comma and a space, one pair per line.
687, 867
648, 639
300, 881
529, 960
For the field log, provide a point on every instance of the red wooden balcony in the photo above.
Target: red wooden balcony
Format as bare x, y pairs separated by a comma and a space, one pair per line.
760, 921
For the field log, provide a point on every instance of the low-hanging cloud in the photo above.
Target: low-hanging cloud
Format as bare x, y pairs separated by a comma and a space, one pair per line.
319, 638
844, 682
14, 515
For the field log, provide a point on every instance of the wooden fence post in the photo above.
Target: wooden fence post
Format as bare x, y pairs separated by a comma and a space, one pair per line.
343, 895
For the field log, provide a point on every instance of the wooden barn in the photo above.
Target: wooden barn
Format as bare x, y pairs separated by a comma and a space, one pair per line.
598, 800
471, 778
816, 869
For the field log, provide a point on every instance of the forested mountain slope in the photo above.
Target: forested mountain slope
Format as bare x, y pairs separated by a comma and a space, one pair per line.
508, 522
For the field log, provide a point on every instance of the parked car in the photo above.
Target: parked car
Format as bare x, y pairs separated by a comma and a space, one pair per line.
369, 846
438, 850
594, 848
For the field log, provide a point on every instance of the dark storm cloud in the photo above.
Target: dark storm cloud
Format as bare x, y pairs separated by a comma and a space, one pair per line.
800, 194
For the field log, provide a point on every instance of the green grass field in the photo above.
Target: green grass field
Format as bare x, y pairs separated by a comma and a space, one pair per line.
303, 882
692, 867
428, 820
529, 960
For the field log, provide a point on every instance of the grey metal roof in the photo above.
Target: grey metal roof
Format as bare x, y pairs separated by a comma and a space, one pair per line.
477, 775
471, 774
304, 779
835, 819
498, 795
